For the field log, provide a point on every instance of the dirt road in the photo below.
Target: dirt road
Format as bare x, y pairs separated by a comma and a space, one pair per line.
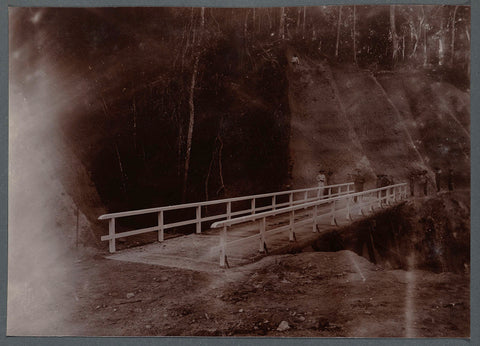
318, 294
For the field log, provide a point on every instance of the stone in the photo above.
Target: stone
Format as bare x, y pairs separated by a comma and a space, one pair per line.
130, 295
283, 326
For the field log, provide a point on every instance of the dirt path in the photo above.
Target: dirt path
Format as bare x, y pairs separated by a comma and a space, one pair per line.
317, 294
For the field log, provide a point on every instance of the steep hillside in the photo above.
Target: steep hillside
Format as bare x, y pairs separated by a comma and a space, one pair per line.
321, 136
393, 123
437, 115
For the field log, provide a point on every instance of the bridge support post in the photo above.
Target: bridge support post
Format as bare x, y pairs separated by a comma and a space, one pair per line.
332, 220
199, 217
292, 220
315, 211
111, 233
261, 247
348, 217
160, 226
229, 210
223, 246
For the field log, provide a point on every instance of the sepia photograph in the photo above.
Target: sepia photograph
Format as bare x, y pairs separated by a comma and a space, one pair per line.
239, 172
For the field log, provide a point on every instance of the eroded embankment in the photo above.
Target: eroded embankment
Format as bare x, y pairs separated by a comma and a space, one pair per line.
430, 233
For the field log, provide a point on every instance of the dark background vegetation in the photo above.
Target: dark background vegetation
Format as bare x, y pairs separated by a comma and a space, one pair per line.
145, 73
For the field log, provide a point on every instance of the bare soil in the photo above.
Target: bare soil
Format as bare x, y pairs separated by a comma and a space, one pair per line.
319, 294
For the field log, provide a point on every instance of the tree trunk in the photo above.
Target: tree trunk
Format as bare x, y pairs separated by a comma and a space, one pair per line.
304, 20
190, 127
394, 34
452, 57
298, 19
425, 52
338, 30
281, 27
253, 20
354, 35
441, 45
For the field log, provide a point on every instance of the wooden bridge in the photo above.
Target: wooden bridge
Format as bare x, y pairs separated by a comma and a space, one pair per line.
239, 235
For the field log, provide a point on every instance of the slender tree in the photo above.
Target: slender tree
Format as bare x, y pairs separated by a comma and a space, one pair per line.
338, 30
393, 32
354, 34
452, 56
191, 101
281, 27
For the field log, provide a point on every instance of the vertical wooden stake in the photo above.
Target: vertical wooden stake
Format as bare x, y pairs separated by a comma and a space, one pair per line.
273, 202
111, 233
229, 210
223, 246
315, 212
292, 220
199, 217
332, 221
160, 226
348, 217
261, 247
253, 206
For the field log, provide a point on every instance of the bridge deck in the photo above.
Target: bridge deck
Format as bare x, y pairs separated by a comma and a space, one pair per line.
201, 251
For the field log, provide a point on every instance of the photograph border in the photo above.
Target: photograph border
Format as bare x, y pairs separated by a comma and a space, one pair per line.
475, 170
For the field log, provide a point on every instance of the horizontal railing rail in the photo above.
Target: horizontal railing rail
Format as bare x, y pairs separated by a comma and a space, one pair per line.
365, 199
295, 197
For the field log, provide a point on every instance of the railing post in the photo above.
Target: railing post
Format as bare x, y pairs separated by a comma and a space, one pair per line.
199, 217
111, 233
348, 217
394, 194
223, 246
253, 206
274, 202
292, 220
329, 192
229, 210
306, 196
332, 221
261, 247
315, 211
290, 199
160, 225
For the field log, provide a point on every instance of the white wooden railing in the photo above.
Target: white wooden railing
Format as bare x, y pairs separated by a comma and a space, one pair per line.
366, 200
295, 197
